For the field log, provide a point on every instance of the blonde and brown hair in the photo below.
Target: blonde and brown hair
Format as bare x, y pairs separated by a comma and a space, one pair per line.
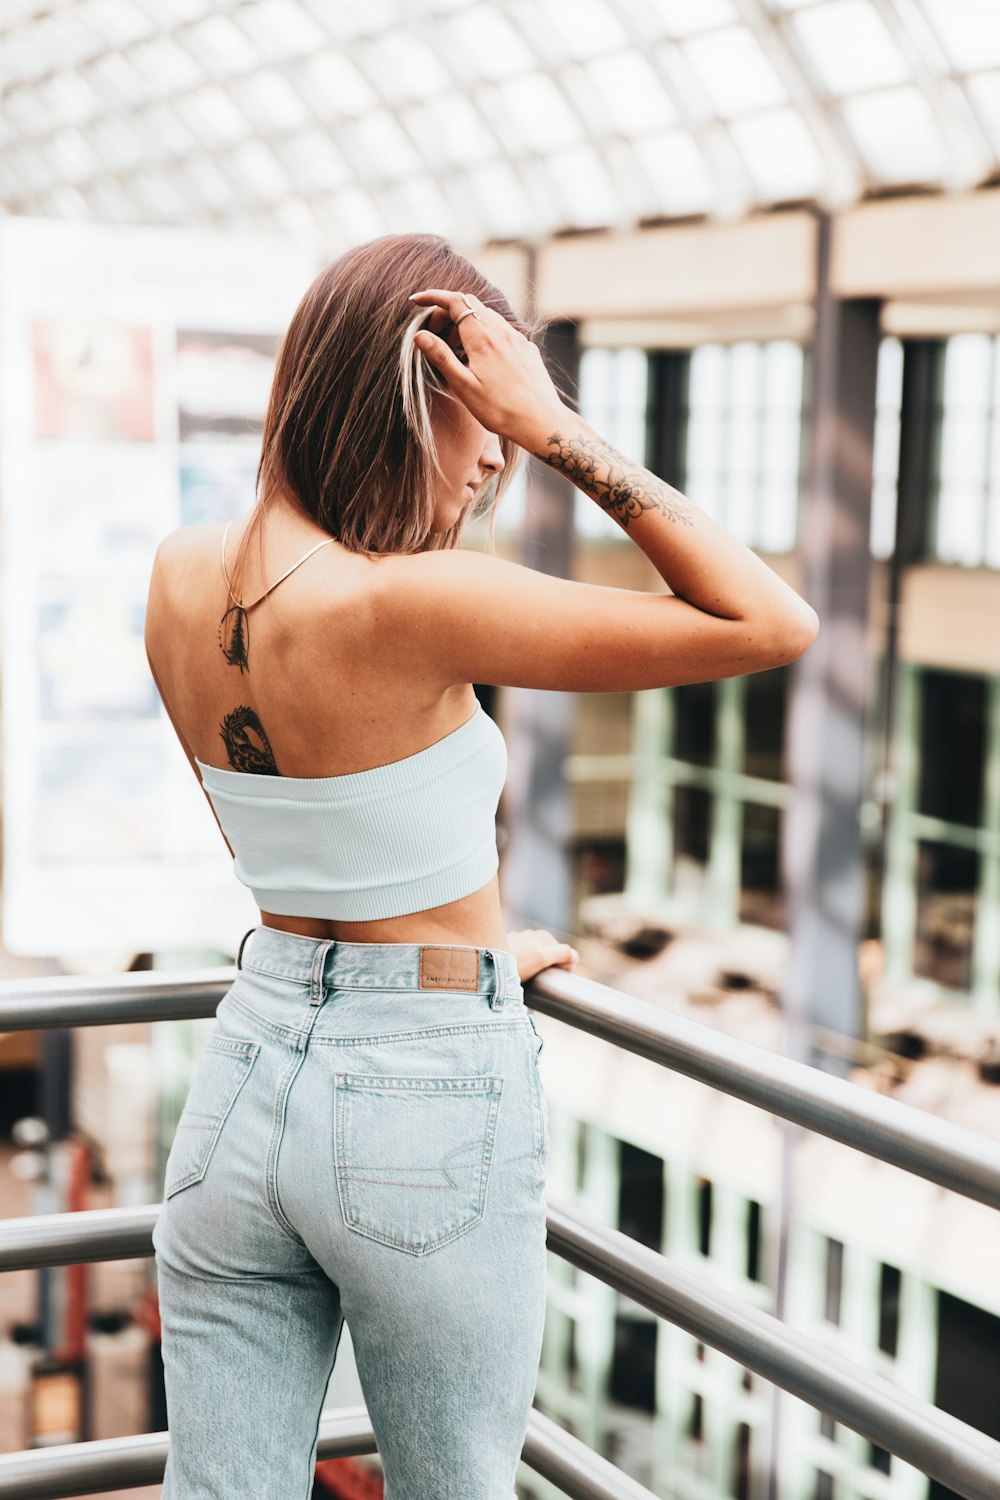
348, 435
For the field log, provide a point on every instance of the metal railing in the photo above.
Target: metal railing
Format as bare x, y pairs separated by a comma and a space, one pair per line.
956, 1454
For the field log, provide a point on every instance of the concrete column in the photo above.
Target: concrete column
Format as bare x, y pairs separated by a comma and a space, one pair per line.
821, 840
536, 882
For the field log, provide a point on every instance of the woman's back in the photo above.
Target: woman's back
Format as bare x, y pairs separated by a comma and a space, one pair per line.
357, 794
331, 687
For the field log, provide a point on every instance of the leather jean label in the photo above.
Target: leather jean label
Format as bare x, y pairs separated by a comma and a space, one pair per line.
449, 968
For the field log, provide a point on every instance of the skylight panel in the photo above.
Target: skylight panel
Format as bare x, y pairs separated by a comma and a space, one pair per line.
780, 155
581, 182
354, 215
32, 166
72, 156
57, 41
535, 116
425, 208
450, 130
685, 17
386, 145
26, 109
215, 114
410, 68
111, 202
503, 203
316, 163
587, 28
969, 30
67, 100
261, 169
117, 22
734, 71
985, 92
64, 203
677, 167
211, 182
490, 43
116, 145
897, 135
334, 86
632, 95
165, 125
166, 67
294, 217
223, 46
850, 47
635, 188
281, 30
116, 81
23, 57
181, 11
158, 196
270, 100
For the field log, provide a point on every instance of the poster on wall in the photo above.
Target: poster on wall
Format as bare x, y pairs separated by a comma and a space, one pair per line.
135, 366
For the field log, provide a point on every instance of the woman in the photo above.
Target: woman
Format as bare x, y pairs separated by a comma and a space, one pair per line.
366, 1134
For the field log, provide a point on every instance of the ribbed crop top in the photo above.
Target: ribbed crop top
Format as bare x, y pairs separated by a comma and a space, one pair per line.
383, 842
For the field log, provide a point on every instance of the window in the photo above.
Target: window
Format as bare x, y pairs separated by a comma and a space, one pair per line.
744, 424
965, 494
613, 394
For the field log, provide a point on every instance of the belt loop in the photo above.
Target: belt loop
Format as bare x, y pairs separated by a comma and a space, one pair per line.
499, 996
316, 978
239, 956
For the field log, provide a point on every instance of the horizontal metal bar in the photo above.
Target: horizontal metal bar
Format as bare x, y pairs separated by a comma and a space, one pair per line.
960, 1456
68, 1469
72, 1239
914, 1139
574, 1468
105, 1000
54, 1473
940, 1445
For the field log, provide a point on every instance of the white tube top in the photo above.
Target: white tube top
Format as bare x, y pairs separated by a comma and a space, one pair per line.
394, 839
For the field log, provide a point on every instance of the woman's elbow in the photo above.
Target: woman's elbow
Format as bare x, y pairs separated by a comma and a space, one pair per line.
791, 636
796, 635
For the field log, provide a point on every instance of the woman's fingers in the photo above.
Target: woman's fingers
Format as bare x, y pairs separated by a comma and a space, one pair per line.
444, 358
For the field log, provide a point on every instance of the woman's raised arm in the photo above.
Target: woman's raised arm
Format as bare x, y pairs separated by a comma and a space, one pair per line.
483, 619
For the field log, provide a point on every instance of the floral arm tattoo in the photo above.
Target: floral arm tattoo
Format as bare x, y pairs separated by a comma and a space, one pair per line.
621, 487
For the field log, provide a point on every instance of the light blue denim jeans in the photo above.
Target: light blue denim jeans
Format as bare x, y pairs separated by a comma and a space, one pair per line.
365, 1137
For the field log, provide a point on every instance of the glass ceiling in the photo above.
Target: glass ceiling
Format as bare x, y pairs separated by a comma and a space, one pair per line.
513, 119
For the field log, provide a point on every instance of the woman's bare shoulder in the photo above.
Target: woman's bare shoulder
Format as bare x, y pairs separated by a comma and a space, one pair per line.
187, 539
178, 550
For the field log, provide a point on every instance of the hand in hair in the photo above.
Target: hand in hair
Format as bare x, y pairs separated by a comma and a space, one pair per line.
505, 383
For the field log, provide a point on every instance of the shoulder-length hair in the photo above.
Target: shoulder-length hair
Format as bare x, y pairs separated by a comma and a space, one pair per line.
347, 434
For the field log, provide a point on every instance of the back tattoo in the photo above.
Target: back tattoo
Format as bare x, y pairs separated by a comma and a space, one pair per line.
242, 733
247, 744
246, 753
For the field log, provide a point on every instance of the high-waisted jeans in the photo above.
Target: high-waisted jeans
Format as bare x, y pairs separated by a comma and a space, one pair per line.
365, 1138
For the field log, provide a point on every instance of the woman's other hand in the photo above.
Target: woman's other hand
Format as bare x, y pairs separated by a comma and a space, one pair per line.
536, 948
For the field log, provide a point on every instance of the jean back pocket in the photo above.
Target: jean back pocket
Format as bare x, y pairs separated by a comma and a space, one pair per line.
222, 1071
412, 1155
